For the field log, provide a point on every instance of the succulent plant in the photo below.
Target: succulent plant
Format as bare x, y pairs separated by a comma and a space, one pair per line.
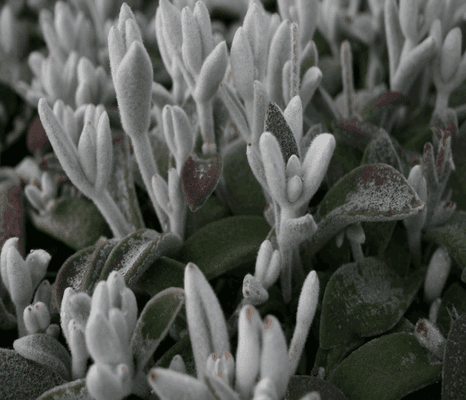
193, 166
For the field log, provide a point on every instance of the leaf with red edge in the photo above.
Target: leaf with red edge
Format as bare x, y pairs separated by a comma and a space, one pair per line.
199, 178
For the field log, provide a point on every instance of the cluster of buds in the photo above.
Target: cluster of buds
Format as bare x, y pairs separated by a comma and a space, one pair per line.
199, 67
101, 327
82, 141
263, 363
43, 199
21, 278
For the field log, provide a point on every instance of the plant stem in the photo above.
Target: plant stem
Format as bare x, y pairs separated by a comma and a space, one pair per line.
112, 214
148, 167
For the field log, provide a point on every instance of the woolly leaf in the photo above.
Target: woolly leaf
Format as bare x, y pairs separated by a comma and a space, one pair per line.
45, 350
374, 192
225, 244
355, 132
68, 391
389, 367
137, 251
382, 150
154, 322
24, 379
364, 299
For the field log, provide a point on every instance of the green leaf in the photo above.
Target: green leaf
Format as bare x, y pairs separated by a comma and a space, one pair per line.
137, 251
454, 296
154, 323
378, 235
452, 235
374, 192
71, 274
454, 363
68, 391
386, 368
300, 385
75, 221
213, 210
102, 249
225, 244
364, 299
184, 349
243, 193
276, 124
382, 109
164, 273
382, 150
199, 178
24, 379
338, 354
397, 255
354, 132
45, 350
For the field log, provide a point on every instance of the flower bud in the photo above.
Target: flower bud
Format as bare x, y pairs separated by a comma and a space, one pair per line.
430, 337
294, 188
450, 55
242, 65
437, 274
19, 277
274, 167
273, 272
103, 384
192, 47
102, 340
294, 117
133, 86
205, 28
254, 291
263, 258
211, 74
274, 356
30, 320
116, 284
129, 306
177, 364
248, 352
79, 308
43, 316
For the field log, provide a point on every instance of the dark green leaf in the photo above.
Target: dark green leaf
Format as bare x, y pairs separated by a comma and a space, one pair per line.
300, 385
454, 363
386, 368
382, 150
137, 251
243, 193
382, 108
154, 323
453, 298
364, 299
184, 349
354, 132
225, 244
75, 221
164, 273
378, 235
71, 274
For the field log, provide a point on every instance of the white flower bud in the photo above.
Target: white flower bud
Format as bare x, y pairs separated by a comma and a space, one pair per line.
437, 274
450, 55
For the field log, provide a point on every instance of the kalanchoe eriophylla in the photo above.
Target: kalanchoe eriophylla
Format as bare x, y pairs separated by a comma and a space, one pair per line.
21, 278
437, 274
132, 76
112, 319
86, 157
262, 356
186, 44
291, 186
